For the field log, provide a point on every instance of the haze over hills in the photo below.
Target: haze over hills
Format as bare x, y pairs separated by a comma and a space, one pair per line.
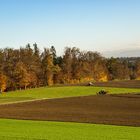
123, 53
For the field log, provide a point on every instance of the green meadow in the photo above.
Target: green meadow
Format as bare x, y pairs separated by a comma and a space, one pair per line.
59, 92
39, 130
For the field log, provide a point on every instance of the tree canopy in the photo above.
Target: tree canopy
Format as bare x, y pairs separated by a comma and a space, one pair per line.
28, 67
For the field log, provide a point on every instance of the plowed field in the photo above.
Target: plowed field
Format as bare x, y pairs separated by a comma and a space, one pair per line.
108, 109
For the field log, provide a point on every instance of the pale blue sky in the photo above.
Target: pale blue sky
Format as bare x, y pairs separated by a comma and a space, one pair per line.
99, 25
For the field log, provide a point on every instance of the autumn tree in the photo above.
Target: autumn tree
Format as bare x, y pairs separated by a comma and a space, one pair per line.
30, 67
138, 70
33, 80
2, 82
22, 76
48, 66
37, 66
10, 58
67, 65
118, 70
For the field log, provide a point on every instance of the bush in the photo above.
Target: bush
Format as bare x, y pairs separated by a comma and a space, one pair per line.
102, 92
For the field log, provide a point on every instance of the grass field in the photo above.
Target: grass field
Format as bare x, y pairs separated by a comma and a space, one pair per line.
59, 92
37, 130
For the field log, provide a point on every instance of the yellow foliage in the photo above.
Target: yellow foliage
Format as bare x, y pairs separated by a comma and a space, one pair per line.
50, 82
86, 79
2, 82
138, 78
103, 77
74, 81
138, 74
49, 79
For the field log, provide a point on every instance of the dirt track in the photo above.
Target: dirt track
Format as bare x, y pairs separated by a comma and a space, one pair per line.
109, 109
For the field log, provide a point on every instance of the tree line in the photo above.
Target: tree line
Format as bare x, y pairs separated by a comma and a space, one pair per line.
28, 67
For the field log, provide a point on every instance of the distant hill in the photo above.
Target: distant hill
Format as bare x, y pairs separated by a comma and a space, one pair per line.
123, 53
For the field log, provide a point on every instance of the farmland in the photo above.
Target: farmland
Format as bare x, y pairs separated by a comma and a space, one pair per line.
119, 84
75, 112
69, 70
109, 109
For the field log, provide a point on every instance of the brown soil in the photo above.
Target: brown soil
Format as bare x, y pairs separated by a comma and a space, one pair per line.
119, 84
123, 84
107, 109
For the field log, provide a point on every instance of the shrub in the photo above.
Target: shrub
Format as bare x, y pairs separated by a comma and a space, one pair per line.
102, 92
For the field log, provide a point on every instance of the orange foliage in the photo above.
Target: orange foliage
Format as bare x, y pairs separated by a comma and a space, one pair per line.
2, 82
103, 77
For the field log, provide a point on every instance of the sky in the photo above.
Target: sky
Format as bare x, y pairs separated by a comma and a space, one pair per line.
97, 25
